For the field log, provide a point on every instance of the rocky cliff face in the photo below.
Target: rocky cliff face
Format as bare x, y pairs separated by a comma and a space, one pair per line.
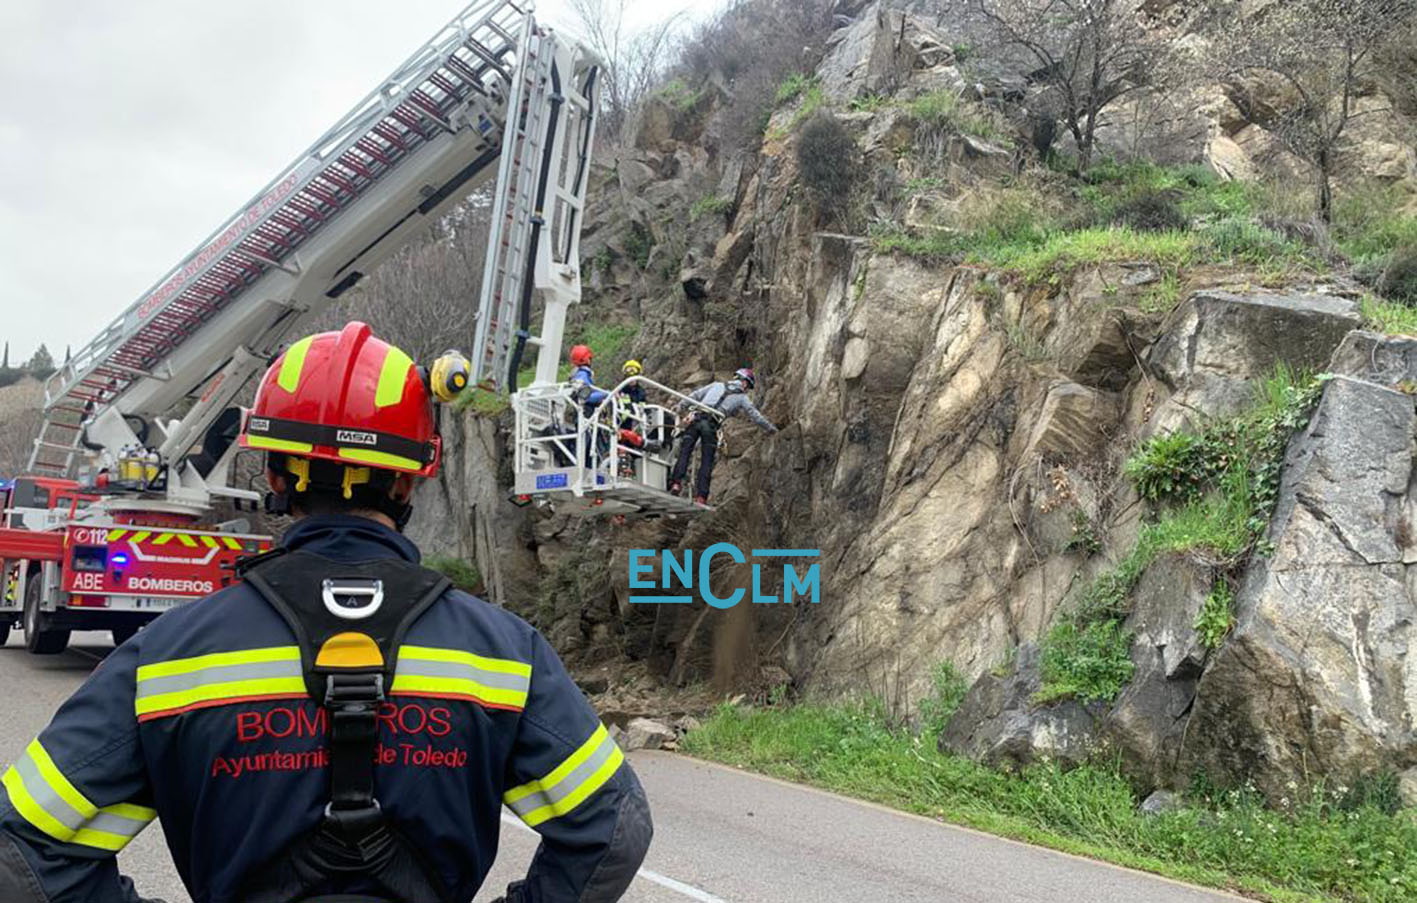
953, 441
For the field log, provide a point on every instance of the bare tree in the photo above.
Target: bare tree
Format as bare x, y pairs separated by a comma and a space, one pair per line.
1298, 68
749, 47
1085, 55
634, 60
423, 298
21, 415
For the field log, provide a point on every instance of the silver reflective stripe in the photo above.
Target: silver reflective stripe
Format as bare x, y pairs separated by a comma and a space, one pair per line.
177, 683
117, 824
416, 667
45, 796
569, 784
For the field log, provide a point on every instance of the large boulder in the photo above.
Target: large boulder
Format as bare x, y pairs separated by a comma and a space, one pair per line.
1318, 677
1074, 423
1386, 360
1216, 344
878, 52
1148, 720
998, 723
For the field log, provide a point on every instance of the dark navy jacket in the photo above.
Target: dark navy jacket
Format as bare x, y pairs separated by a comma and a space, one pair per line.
201, 721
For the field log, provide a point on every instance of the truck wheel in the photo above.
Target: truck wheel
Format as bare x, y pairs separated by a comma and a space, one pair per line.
4, 633
122, 635
38, 638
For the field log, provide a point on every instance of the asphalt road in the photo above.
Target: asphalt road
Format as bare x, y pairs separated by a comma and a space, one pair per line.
721, 836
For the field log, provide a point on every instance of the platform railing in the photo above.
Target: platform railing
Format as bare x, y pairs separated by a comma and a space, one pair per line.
556, 433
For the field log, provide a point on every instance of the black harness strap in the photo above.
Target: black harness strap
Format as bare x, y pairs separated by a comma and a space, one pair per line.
361, 611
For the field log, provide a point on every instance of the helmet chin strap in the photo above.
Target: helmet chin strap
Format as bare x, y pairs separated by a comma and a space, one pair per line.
397, 511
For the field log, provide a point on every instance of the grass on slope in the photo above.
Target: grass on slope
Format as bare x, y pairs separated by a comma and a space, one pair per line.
1334, 844
1042, 225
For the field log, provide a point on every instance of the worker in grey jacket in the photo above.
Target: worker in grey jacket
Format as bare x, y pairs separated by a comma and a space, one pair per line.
727, 399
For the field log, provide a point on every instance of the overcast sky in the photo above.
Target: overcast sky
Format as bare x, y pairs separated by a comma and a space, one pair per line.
132, 129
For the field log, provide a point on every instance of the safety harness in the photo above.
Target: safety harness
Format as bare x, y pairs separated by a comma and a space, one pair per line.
348, 620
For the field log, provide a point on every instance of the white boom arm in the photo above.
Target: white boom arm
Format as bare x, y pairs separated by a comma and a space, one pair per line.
418, 144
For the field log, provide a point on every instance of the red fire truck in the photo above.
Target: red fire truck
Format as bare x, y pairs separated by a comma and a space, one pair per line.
103, 574
113, 521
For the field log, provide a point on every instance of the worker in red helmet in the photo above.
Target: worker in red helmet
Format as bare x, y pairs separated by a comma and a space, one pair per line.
338, 720
583, 378
597, 442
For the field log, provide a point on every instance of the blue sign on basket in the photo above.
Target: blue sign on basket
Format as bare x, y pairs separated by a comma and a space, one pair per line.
552, 481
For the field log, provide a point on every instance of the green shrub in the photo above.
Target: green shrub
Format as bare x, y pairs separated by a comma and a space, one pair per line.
1085, 661
947, 690
639, 243
1217, 615
827, 159
1152, 211
869, 103
680, 96
464, 574
710, 204
1372, 220
811, 102
1171, 466
1233, 465
1163, 296
792, 87
609, 341
1398, 281
1084, 540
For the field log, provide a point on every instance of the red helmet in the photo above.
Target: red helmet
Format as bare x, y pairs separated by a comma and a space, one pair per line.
581, 355
349, 398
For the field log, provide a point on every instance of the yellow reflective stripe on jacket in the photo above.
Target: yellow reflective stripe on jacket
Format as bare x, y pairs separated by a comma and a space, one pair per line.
45, 798
454, 674
219, 678
223, 678
583, 773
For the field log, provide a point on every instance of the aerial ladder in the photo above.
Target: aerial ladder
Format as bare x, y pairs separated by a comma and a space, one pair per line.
611, 458
111, 523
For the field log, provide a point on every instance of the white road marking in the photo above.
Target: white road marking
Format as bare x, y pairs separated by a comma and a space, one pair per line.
687, 890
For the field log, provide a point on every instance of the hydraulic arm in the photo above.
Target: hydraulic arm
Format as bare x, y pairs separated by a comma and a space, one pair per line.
488, 95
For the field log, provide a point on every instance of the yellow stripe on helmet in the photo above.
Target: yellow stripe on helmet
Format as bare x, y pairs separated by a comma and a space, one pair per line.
294, 361
380, 459
280, 445
393, 376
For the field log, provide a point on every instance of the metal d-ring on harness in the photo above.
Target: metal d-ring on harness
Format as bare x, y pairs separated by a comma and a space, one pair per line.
349, 636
